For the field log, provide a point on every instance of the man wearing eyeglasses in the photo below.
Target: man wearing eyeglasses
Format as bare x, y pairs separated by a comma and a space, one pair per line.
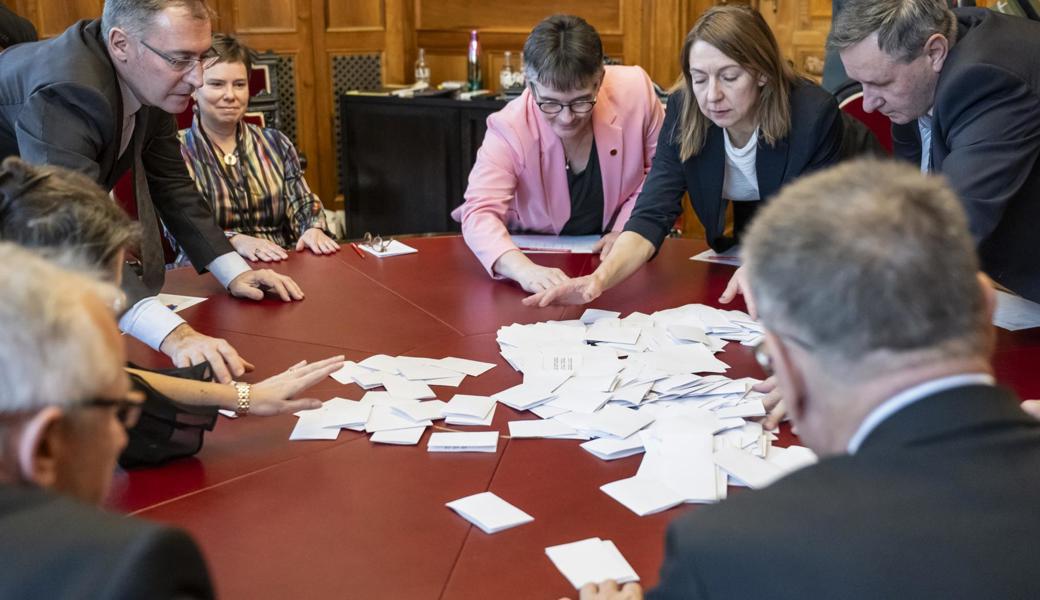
65, 403
98, 99
878, 329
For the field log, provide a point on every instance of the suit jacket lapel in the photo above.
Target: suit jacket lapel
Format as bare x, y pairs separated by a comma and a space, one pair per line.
771, 166
611, 154
708, 169
947, 414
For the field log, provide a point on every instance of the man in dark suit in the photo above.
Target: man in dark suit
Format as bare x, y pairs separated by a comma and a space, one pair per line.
98, 99
963, 91
64, 409
878, 329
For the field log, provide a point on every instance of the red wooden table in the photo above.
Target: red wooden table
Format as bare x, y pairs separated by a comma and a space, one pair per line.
352, 519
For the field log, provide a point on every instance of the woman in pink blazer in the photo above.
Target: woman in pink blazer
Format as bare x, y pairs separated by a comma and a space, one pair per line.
568, 157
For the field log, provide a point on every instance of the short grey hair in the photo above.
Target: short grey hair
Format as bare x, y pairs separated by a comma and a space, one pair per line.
52, 351
869, 258
902, 26
136, 16
563, 52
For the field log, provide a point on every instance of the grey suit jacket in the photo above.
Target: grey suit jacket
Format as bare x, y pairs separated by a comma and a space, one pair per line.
940, 501
53, 547
60, 104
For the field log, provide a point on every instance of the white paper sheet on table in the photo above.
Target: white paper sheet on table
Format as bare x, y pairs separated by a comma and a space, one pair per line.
591, 561
484, 421
539, 428
591, 315
577, 244
469, 406
384, 418
473, 368
380, 362
177, 303
608, 448
489, 512
394, 248
1014, 312
422, 411
618, 422
523, 396
400, 387
748, 468
313, 428
476, 441
729, 257
643, 496
399, 437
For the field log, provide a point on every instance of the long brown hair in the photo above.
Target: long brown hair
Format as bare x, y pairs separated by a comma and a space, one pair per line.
744, 36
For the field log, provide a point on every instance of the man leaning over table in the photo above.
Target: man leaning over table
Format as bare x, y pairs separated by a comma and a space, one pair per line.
64, 409
878, 329
98, 99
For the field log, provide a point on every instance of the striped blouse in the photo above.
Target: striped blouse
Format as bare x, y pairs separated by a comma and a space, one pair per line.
263, 194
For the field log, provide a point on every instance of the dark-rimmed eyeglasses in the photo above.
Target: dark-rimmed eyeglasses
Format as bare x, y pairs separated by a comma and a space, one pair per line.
552, 107
207, 60
128, 410
376, 242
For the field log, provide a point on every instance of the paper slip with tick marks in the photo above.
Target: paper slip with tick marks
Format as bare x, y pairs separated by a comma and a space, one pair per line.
591, 561
476, 441
489, 512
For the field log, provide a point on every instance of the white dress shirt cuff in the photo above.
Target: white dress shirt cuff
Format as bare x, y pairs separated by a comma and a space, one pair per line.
228, 266
149, 321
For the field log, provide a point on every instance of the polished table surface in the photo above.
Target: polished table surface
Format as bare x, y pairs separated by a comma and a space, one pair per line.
352, 519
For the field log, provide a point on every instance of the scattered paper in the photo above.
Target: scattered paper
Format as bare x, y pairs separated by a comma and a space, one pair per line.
489, 512
643, 496
591, 561
400, 437
476, 441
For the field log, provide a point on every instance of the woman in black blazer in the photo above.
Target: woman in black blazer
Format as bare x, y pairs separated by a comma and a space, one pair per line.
738, 126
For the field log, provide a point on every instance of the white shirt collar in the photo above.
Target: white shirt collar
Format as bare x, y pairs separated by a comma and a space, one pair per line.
907, 397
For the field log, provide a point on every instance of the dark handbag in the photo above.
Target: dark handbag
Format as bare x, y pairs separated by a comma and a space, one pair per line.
167, 429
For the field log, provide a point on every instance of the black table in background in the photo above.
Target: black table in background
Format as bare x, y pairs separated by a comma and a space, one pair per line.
406, 160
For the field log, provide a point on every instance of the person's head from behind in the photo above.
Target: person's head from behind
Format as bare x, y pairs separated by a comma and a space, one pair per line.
865, 278
63, 215
563, 65
896, 49
224, 96
159, 48
734, 78
64, 396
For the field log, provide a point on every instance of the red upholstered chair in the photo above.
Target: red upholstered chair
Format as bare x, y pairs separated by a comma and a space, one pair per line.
878, 123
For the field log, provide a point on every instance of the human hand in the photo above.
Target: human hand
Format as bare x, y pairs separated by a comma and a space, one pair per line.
606, 244
536, 278
257, 249
580, 290
738, 285
1032, 407
253, 284
773, 403
316, 241
273, 396
188, 347
609, 590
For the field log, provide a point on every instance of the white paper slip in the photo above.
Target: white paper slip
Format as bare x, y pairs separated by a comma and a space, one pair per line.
340, 412
418, 372
386, 399
489, 512
591, 561
177, 303
380, 362
484, 421
744, 410
394, 248
228, 413
421, 411
748, 468
469, 406
591, 315
609, 448
1014, 312
643, 496
791, 458
547, 412
312, 428
578, 244
399, 387
383, 418
399, 437
523, 397
454, 441
729, 257
619, 422
604, 331
583, 402
453, 381
473, 368
539, 429
688, 333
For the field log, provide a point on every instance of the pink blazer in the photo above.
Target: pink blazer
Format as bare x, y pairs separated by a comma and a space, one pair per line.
519, 182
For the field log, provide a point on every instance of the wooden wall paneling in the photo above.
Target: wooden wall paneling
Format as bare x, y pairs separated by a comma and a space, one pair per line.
265, 16
665, 23
355, 15
631, 32
51, 18
605, 16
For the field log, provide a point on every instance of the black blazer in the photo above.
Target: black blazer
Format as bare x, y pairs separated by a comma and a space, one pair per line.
814, 142
60, 104
940, 501
53, 547
986, 140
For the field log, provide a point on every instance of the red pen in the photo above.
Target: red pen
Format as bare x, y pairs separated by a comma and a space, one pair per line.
358, 250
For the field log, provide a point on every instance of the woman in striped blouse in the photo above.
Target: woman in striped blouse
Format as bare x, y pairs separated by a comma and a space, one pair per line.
250, 175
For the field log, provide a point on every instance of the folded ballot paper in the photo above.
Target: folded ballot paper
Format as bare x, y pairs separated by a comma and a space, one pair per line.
489, 512
475, 441
591, 561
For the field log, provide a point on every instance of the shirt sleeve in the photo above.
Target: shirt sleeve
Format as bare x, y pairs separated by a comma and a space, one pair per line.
149, 321
227, 267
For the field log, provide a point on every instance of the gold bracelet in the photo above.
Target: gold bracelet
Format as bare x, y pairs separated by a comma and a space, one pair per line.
243, 390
